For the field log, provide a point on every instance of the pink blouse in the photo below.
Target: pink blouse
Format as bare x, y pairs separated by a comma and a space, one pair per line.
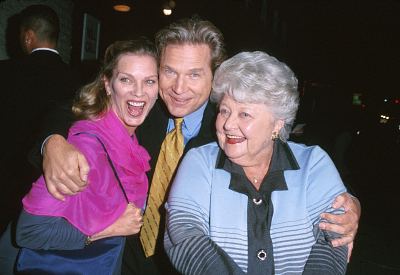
102, 202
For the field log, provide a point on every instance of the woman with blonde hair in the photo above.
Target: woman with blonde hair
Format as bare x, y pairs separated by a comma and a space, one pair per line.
109, 110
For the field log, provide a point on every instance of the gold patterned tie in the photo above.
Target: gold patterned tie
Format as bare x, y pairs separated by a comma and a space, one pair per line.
170, 153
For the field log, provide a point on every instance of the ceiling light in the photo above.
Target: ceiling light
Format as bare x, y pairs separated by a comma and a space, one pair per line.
122, 8
167, 11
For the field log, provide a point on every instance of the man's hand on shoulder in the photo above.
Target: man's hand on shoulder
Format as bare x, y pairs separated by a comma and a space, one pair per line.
65, 168
345, 224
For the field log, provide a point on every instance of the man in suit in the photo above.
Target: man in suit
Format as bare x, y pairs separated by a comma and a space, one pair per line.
190, 50
33, 84
36, 82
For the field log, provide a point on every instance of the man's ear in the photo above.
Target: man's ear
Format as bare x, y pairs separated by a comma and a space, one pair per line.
29, 40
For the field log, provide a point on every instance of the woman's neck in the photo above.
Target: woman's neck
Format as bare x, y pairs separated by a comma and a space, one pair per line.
256, 173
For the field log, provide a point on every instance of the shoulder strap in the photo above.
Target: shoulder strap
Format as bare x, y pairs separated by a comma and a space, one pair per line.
109, 161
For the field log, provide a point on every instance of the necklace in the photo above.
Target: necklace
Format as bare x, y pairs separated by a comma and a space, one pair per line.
255, 180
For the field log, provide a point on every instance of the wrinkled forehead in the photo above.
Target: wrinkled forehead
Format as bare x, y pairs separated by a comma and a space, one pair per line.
187, 50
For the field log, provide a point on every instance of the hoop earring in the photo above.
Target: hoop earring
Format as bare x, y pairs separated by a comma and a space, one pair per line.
274, 136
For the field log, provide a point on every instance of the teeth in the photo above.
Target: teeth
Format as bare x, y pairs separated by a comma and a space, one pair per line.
231, 136
136, 104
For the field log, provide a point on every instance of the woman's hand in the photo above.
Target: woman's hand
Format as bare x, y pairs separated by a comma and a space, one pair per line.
128, 223
65, 168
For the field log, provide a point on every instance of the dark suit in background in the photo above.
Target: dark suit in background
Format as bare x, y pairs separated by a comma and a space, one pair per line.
35, 84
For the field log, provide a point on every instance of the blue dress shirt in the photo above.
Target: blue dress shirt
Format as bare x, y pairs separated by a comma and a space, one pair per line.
191, 124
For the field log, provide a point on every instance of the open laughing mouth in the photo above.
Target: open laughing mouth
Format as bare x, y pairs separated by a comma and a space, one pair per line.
231, 139
135, 108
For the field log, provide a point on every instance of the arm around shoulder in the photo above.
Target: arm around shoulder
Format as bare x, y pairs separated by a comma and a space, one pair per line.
65, 168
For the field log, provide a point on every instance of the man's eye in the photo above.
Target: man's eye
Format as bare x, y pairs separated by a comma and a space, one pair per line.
194, 75
223, 112
151, 82
169, 72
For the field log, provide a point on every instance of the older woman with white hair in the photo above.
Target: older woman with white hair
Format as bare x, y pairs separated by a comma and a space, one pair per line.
251, 203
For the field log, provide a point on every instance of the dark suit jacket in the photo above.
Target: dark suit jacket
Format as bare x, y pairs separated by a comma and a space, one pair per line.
36, 83
153, 131
31, 87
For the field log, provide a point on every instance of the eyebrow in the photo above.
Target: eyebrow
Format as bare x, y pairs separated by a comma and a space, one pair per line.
196, 70
168, 67
193, 70
119, 72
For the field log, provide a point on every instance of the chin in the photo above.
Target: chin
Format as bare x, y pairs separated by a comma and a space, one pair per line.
178, 111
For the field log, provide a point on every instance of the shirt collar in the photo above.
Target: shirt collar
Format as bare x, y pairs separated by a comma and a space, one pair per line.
282, 159
191, 122
45, 49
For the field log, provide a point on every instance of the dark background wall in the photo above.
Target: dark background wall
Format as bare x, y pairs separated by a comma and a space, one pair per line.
8, 32
352, 44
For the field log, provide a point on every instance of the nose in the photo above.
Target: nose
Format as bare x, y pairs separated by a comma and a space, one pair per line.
137, 90
179, 85
230, 123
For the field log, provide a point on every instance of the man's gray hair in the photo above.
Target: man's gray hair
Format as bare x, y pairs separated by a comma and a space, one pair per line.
193, 31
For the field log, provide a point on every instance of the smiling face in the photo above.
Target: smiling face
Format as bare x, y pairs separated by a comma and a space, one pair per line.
244, 131
185, 78
133, 88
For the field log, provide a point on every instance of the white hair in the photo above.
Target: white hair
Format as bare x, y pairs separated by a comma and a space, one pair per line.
256, 77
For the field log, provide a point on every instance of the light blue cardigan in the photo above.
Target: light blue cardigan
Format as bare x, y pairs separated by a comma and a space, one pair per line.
207, 222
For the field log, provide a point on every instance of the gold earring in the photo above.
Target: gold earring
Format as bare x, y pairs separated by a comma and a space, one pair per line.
274, 136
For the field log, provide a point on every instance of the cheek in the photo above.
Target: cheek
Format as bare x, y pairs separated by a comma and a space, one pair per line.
152, 93
221, 139
248, 130
117, 96
161, 91
164, 83
219, 123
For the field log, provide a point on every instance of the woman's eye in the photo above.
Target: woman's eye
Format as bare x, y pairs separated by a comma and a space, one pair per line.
125, 80
223, 112
244, 115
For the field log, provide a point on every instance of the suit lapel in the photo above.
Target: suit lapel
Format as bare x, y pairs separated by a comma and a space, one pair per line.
152, 133
207, 130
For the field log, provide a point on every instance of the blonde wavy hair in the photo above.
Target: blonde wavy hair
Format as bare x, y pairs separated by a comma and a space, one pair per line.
92, 100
